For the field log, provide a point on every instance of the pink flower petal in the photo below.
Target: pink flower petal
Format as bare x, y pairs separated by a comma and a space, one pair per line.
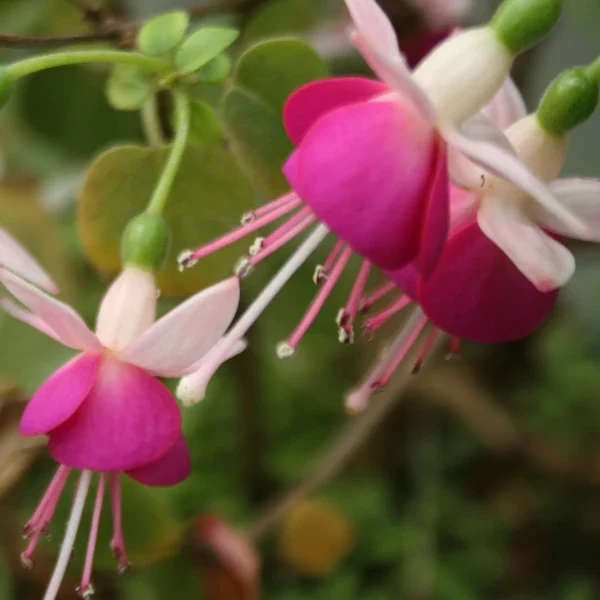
407, 279
507, 107
498, 161
393, 70
437, 214
582, 198
62, 319
544, 261
180, 339
17, 312
172, 468
60, 395
464, 205
128, 420
15, 258
314, 100
477, 293
364, 170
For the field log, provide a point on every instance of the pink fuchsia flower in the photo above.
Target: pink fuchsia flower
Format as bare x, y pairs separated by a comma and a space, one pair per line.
105, 411
16, 259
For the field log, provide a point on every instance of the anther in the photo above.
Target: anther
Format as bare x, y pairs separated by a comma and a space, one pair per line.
26, 561
87, 592
320, 275
247, 218
123, 568
284, 350
243, 267
257, 246
186, 260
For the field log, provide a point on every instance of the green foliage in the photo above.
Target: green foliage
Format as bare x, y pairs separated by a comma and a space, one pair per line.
162, 34
206, 128
208, 190
145, 242
128, 87
216, 70
202, 46
252, 108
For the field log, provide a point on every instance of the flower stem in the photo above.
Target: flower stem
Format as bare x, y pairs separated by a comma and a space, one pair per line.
76, 57
162, 189
69, 540
151, 123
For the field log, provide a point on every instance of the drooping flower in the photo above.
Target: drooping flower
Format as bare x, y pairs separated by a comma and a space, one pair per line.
105, 412
370, 165
500, 273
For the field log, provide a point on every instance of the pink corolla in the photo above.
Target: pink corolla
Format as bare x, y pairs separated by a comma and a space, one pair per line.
371, 166
105, 412
503, 264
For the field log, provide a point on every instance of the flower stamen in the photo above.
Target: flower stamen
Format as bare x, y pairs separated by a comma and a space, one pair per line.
347, 314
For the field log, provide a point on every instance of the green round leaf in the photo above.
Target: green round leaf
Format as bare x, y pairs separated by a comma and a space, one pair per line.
275, 68
205, 126
128, 87
208, 197
258, 140
162, 34
202, 46
216, 70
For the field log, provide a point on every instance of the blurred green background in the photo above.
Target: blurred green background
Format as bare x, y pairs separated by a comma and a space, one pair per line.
481, 482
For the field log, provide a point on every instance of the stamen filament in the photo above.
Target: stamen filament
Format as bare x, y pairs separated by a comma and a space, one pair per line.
66, 548
322, 271
211, 362
372, 324
382, 291
317, 304
425, 349
240, 232
117, 543
91, 548
272, 247
357, 399
57, 483
287, 226
269, 207
348, 313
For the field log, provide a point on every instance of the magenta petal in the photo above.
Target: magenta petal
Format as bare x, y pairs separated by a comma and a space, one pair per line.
60, 395
128, 420
364, 170
477, 293
170, 469
437, 214
407, 279
314, 100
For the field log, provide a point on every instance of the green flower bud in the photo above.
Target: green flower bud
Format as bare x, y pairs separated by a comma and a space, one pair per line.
145, 242
6, 86
521, 24
569, 100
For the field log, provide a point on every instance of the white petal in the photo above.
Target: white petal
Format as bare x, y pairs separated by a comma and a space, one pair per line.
15, 258
543, 260
68, 326
18, 312
393, 70
373, 25
180, 339
582, 197
504, 164
507, 107
463, 172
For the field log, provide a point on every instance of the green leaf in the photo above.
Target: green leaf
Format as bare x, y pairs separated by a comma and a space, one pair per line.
205, 125
252, 109
258, 140
202, 46
128, 87
266, 69
208, 196
162, 34
217, 70
283, 17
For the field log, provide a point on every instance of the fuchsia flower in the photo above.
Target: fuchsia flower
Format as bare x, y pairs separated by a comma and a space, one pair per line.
104, 411
370, 165
503, 264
